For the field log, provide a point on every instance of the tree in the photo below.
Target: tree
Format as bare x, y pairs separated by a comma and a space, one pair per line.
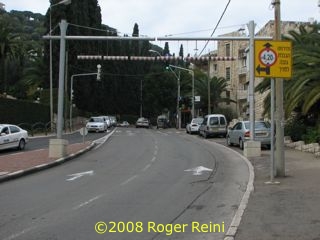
302, 92
218, 85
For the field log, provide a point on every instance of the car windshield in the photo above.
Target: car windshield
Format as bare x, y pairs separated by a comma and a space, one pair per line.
96, 119
197, 120
258, 125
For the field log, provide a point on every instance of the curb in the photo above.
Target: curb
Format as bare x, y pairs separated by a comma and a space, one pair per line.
59, 161
233, 228
40, 167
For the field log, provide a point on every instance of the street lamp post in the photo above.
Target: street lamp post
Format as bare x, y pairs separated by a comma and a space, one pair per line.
71, 88
192, 74
65, 2
178, 94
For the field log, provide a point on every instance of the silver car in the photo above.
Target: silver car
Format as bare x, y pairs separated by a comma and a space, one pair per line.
96, 124
193, 127
240, 133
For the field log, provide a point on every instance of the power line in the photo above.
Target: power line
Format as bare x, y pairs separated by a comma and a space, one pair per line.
225, 9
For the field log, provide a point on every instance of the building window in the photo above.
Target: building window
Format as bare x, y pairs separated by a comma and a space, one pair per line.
228, 50
228, 77
228, 97
215, 67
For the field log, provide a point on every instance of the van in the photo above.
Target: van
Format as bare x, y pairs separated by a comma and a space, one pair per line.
162, 121
213, 125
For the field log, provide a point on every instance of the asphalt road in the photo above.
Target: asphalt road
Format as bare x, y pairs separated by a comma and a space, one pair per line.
36, 143
142, 183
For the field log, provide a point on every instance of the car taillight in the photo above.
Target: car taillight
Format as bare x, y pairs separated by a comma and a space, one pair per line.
247, 134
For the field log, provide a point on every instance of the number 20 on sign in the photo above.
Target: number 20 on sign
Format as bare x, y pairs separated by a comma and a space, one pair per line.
273, 59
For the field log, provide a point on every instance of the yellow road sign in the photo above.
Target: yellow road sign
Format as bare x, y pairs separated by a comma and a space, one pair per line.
273, 59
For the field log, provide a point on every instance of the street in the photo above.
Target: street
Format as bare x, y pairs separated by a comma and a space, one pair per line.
140, 184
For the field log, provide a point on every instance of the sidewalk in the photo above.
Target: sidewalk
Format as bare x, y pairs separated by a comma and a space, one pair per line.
18, 164
289, 210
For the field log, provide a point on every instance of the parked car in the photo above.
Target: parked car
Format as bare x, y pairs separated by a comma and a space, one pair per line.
193, 127
162, 121
240, 133
107, 121
96, 124
143, 122
113, 121
12, 136
124, 124
213, 125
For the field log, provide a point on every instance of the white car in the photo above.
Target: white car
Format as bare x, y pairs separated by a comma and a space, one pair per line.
96, 124
124, 124
12, 136
193, 127
107, 121
143, 123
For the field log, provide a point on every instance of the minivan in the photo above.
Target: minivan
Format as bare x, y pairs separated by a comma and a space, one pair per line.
213, 125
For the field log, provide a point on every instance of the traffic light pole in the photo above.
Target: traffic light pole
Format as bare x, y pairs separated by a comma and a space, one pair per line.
192, 74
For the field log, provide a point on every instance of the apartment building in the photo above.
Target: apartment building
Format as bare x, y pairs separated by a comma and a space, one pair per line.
237, 72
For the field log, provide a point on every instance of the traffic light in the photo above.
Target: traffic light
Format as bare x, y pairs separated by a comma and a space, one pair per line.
167, 65
98, 72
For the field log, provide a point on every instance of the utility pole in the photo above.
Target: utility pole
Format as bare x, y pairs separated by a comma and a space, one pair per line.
279, 154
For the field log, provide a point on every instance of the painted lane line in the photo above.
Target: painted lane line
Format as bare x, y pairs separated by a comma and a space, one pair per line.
102, 140
153, 159
16, 235
87, 202
129, 180
146, 167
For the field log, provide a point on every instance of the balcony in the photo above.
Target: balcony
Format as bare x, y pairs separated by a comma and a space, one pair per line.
242, 94
243, 70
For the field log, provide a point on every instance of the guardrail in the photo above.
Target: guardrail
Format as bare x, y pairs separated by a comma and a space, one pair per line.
38, 127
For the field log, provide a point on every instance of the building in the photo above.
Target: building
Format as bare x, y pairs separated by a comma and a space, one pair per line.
237, 72
2, 6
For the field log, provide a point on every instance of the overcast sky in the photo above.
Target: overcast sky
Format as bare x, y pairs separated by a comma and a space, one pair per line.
157, 18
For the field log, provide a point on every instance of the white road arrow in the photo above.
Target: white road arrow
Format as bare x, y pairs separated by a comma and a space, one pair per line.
79, 175
198, 170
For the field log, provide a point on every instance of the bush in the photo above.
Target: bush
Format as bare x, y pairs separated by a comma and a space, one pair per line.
295, 128
312, 135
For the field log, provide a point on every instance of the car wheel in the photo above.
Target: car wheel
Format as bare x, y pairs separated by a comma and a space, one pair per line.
241, 144
205, 135
22, 144
228, 141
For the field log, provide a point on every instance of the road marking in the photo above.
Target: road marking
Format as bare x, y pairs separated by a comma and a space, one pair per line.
198, 170
16, 235
102, 140
146, 167
129, 180
87, 202
153, 159
75, 176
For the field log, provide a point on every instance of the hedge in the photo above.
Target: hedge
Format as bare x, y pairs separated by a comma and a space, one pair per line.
19, 111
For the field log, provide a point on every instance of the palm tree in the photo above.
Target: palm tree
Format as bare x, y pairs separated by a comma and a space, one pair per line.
218, 85
302, 92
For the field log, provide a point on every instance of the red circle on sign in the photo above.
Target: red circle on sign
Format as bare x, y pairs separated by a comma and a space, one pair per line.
264, 58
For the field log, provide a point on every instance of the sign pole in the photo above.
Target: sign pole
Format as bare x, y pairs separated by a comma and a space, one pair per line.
280, 162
